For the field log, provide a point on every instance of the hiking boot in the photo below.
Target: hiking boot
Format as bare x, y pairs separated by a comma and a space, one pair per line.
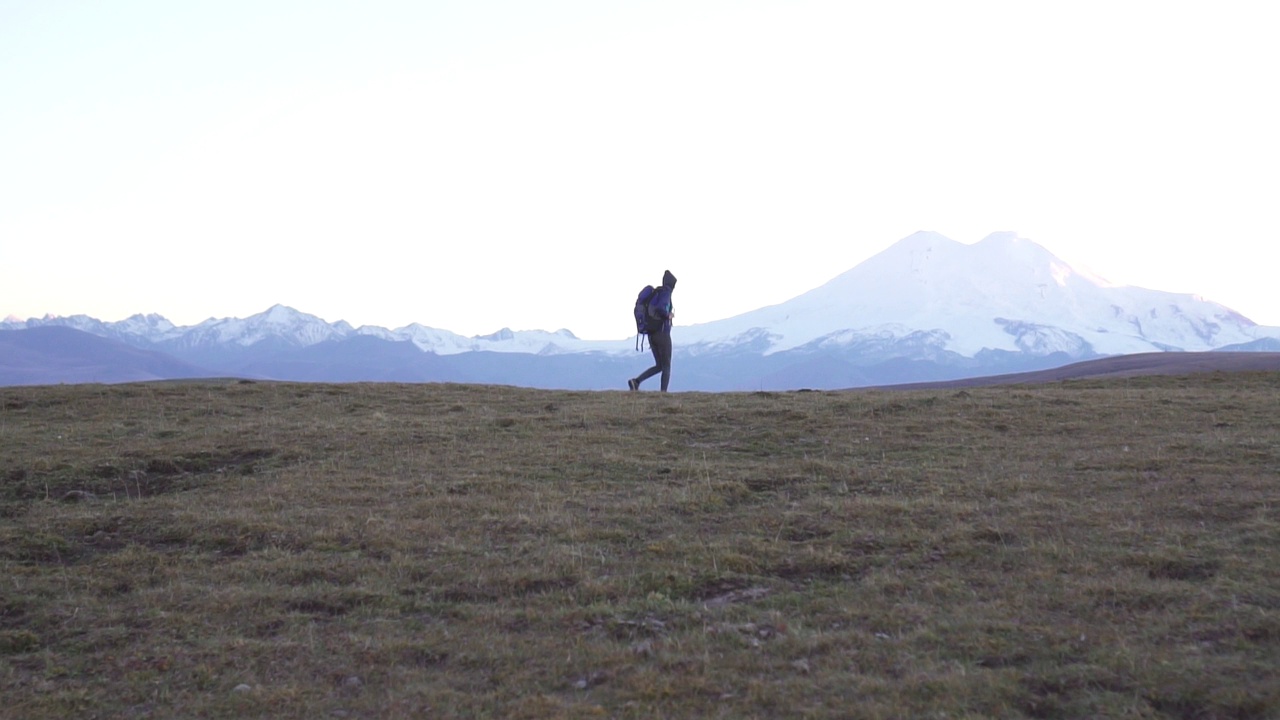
633, 384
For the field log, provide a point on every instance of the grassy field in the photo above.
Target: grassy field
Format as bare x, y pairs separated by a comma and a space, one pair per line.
1086, 549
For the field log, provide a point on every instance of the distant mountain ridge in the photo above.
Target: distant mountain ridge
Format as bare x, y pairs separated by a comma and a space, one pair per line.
299, 329
57, 355
926, 309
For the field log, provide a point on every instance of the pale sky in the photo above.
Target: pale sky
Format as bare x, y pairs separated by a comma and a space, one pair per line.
477, 164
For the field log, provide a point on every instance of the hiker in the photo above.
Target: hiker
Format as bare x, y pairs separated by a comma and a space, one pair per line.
658, 328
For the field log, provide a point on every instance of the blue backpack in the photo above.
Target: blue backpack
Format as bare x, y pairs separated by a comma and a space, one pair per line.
644, 313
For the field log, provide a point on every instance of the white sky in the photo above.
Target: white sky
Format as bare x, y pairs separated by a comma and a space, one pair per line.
479, 163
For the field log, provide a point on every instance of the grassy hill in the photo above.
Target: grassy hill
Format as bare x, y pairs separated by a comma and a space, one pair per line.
1082, 549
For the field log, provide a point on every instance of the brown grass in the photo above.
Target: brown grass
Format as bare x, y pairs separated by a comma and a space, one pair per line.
1089, 549
1124, 366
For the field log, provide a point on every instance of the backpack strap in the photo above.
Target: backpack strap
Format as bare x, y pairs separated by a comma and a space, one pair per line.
657, 306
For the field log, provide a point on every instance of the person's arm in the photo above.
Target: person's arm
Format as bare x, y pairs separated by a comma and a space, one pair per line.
665, 308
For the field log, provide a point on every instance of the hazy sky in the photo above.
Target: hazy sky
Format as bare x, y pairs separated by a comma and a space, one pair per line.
475, 164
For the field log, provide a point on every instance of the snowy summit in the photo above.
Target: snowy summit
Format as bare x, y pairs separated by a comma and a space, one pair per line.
1002, 293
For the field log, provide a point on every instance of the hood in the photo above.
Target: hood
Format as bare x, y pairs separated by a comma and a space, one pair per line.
668, 280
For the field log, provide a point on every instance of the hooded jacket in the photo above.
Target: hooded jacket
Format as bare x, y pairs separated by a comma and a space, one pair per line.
661, 302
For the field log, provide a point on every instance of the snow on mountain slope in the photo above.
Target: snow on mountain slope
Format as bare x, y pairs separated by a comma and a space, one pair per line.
148, 328
1002, 293
84, 323
538, 342
277, 322
542, 342
298, 328
285, 325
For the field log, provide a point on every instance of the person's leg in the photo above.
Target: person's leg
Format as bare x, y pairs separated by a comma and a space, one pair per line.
662, 354
657, 360
648, 374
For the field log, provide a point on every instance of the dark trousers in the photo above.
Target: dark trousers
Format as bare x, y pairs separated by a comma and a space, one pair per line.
660, 345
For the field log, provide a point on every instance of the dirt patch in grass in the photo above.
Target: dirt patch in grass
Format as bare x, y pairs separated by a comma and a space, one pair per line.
128, 477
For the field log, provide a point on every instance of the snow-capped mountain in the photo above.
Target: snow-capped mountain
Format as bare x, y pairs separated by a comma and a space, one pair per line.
927, 308
285, 326
135, 328
1004, 293
537, 342
277, 323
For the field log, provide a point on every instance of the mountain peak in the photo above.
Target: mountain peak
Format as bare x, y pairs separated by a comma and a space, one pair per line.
924, 239
279, 312
503, 334
284, 315
1011, 249
1002, 237
148, 317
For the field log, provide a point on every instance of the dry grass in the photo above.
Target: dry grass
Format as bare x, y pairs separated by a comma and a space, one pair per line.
1088, 549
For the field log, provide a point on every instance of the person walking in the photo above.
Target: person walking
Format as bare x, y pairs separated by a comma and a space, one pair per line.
659, 331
